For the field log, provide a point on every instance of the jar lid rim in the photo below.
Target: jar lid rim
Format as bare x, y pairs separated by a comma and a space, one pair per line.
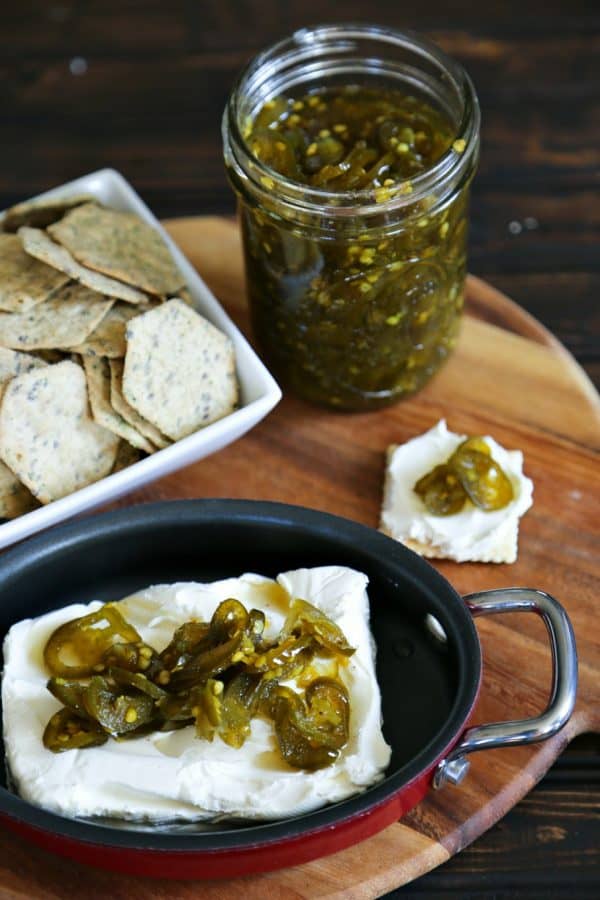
266, 180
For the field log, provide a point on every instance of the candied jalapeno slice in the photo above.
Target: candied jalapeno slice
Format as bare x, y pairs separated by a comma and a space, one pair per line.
312, 731
228, 620
441, 491
276, 150
206, 663
474, 443
285, 658
255, 625
66, 730
206, 707
69, 692
201, 704
183, 644
116, 711
305, 619
231, 638
469, 472
176, 711
135, 657
86, 640
482, 478
241, 699
137, 680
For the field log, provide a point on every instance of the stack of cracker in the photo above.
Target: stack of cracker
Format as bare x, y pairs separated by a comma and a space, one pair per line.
102, 357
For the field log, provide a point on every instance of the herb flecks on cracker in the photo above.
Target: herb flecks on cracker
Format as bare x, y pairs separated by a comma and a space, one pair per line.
63, 321
108, 337
97, 374
38, 244
15, 499
13, 363
179, 370
24, 281
101, 385
131, 415
40, 213
47, 435
121, 245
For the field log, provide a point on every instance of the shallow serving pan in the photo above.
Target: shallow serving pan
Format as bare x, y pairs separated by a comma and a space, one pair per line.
428, 666
259, 391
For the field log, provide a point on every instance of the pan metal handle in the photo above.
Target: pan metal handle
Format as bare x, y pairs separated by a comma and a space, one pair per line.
564, 681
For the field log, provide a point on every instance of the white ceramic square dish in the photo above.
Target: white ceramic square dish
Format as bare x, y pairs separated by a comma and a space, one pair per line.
259, 392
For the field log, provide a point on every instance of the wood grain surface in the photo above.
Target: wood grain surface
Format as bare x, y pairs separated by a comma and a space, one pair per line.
507, 377
141, 86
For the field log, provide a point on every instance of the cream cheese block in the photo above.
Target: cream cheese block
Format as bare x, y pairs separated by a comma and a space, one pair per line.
470, 535
175, 776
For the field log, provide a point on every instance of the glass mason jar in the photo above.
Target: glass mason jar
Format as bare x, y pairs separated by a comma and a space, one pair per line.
355, 296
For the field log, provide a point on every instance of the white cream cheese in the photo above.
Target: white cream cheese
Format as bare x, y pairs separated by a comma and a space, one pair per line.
471, 534
175, 776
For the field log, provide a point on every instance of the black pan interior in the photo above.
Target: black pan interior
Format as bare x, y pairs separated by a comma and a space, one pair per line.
427, 685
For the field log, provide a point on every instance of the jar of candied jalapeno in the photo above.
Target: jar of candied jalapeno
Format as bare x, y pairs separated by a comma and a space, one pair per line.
351, 149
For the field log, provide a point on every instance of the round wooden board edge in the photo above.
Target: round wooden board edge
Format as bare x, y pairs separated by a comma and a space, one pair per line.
318, 878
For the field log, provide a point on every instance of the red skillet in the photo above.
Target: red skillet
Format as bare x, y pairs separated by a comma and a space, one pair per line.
428, 667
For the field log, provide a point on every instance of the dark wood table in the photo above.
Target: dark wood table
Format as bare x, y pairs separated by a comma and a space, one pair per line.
141, 87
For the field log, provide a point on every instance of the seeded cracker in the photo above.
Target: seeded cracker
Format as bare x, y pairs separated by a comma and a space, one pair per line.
179, 370
131, 415
120, 245
65, 320
15, 499
24, 282
108, 337
41, 213
47, 436
98, 382
37, 244
13, 363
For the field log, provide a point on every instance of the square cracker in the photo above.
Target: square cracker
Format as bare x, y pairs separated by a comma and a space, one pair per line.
108, 337
38, 244
24, 281
65, 320
41, 213
47, 435
179, 370
131, 415
121, 245
97, 375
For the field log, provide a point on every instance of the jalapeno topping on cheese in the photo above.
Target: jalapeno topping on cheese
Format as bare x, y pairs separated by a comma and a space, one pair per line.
216, 676
469, 473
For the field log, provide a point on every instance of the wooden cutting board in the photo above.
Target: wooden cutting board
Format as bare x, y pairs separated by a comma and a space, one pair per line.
508, 377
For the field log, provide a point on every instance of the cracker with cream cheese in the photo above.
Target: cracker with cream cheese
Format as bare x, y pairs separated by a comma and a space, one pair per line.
471, 535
